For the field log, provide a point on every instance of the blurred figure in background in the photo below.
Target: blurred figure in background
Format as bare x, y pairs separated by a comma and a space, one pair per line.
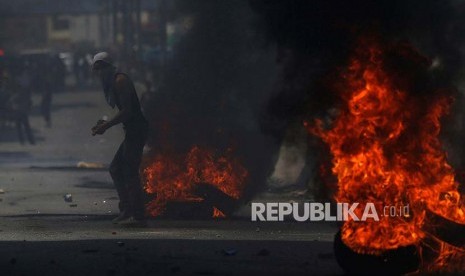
82, 62
16, 103
59, 72
46, 79
21, 104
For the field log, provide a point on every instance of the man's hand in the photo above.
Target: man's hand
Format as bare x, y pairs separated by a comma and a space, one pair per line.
99, 128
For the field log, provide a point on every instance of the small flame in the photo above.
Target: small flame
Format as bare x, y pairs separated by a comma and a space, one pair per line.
217, 213
173, 177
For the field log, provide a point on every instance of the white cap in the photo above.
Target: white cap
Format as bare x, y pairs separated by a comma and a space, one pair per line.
102, 56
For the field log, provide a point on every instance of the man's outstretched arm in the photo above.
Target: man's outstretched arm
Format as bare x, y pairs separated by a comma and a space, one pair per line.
123, 92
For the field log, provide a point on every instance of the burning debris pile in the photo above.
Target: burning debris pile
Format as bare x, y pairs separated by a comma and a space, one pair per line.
208, 95
381, 106
183, 178
385, 148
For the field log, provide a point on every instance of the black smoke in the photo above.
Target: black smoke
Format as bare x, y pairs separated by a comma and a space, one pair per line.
247, 71
218, 77
321, 33
316, 37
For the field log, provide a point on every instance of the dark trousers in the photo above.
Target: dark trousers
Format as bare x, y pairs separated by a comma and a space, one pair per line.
22, 123
45, 107
124, 170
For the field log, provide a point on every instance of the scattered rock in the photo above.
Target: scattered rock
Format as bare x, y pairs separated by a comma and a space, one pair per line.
73, 205
2, 191
113, 233
68, 198
90, 165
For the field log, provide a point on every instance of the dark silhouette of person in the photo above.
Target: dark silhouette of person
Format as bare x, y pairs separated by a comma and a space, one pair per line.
16, 103
124, 169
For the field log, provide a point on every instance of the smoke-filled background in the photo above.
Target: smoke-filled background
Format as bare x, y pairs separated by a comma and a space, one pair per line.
238, 76
247, 74
215, 85
223, 78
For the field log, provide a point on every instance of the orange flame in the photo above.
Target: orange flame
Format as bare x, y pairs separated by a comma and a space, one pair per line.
217, 213
172, 178
385, 150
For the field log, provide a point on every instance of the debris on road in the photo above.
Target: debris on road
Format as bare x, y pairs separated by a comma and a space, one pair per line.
90, 165
73, 205
68, 198
2, 191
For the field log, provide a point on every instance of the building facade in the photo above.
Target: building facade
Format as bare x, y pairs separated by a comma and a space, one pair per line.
64, 25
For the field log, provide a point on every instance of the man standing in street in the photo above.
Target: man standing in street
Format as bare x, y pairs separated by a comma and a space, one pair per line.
124, 169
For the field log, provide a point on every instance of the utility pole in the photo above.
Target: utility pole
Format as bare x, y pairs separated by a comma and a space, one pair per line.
138, 26
126, 29
163, 36
115, 8
126, 20
108, 27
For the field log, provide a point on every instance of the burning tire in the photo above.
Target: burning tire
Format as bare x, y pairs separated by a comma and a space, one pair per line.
446, 230
393, 262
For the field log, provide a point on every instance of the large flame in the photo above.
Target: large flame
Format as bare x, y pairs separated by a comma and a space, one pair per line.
386, 150
173, 177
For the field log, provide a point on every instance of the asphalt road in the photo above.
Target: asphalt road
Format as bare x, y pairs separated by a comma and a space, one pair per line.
42, 234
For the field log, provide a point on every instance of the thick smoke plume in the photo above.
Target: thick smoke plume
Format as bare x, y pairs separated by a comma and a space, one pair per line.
315, 38
214, 85
247, 72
